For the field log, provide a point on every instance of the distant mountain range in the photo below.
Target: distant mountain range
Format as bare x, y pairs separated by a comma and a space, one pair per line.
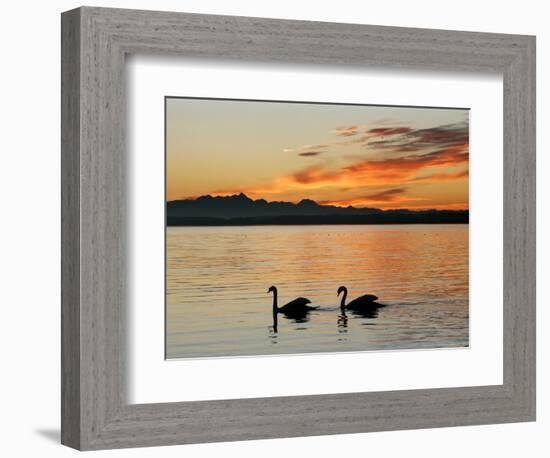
240, 210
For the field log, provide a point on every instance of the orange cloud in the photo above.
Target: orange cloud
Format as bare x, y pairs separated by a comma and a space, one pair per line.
429, 155
313, 174
347, 131
440, 177
406, 167
367, 173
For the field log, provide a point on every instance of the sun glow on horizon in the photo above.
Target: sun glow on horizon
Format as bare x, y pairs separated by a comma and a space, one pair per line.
342, 155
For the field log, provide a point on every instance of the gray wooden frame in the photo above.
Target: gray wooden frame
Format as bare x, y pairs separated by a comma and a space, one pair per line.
95, 413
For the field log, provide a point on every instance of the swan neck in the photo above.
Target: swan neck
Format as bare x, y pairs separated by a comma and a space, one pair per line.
344, 296
275, 308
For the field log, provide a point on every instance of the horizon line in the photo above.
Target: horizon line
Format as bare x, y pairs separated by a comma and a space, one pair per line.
222, 196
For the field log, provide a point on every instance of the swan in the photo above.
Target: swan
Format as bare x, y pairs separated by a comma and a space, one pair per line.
296, 308
361, 303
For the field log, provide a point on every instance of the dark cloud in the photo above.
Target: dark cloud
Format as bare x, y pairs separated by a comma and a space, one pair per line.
385, 196
404, 139
310, 153
389, 130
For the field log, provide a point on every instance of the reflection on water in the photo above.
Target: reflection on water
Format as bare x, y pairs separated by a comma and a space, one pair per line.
217, 279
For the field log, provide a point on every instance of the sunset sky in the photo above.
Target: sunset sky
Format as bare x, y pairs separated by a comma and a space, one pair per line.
365, 156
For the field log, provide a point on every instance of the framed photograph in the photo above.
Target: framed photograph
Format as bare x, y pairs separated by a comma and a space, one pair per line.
337, 220
311, 201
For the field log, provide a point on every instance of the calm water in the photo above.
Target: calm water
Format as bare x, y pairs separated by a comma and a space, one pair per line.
217, 281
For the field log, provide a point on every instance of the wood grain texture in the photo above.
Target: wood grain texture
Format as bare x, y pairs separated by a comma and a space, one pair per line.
70, 229
96, 413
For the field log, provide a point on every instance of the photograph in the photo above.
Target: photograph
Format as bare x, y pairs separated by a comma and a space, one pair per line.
307, 227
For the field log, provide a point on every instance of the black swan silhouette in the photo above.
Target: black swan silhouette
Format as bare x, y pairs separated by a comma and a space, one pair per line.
297, 308
366, 303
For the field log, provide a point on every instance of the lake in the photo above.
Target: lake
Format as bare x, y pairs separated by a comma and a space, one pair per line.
217, 279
